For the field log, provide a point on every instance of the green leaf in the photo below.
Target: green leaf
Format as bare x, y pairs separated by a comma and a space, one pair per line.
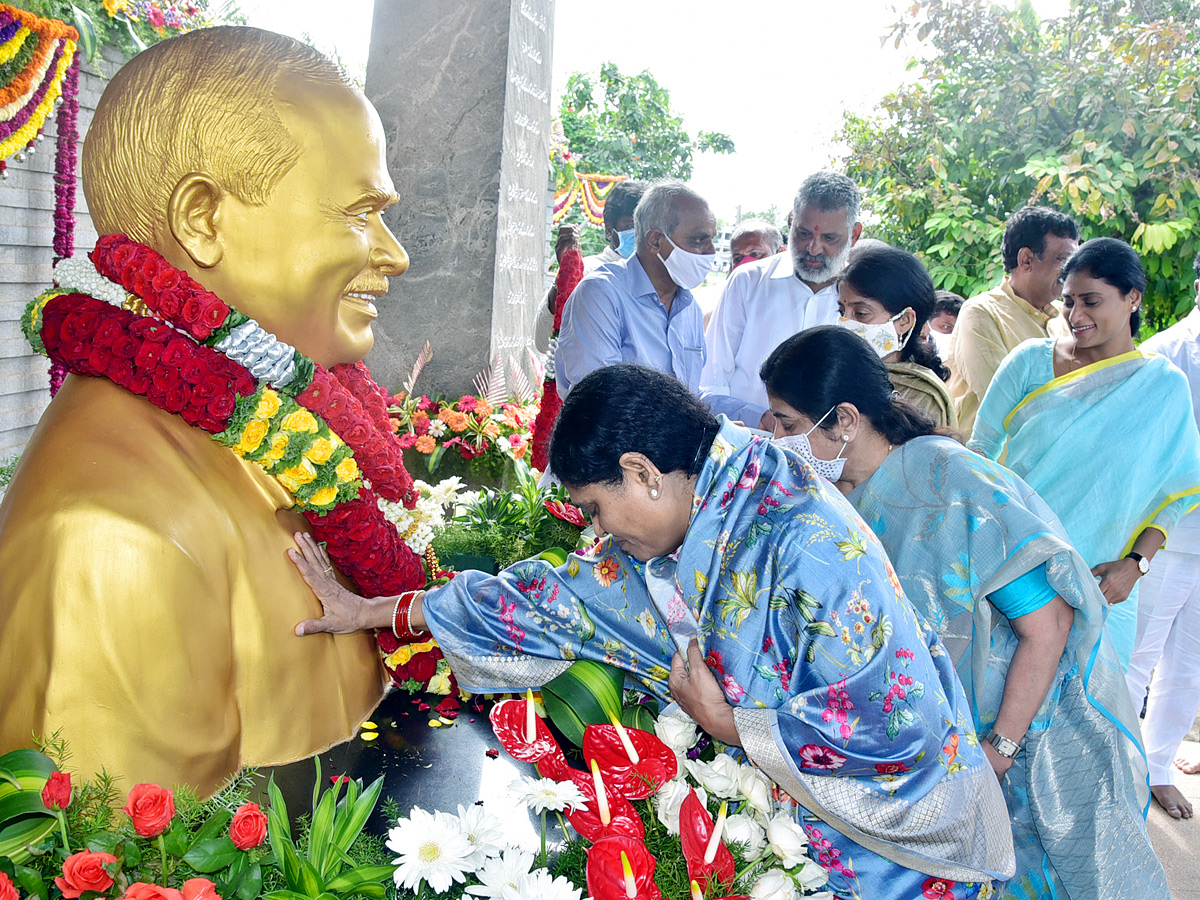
88, 45
104, 842
215, 824
250, 885
175, 839
588, 693
212, 854
31, 883
310, 883
320, 833
352, 818
359, 876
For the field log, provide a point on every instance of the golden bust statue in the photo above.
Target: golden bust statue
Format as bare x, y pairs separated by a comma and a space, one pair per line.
148, 604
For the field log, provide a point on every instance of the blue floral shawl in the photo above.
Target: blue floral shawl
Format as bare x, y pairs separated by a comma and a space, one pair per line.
843, 695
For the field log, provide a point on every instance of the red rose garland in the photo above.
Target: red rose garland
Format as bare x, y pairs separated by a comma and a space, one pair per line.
570, 272
150, 358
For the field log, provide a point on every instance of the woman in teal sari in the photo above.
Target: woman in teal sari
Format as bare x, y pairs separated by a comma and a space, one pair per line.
1102, 432
986, 561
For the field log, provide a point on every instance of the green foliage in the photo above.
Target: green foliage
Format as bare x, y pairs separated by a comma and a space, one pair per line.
619, 124
508, 526
1094, 113
588, 693
6, 472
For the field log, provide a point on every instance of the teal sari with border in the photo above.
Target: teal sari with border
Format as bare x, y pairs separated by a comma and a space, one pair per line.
1112, 448
958, 528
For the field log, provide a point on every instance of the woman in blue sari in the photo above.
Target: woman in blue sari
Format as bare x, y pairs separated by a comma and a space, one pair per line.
984, 558
723, 556
1102, 432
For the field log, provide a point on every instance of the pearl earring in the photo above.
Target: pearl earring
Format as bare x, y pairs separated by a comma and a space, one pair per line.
845, 438
653, 493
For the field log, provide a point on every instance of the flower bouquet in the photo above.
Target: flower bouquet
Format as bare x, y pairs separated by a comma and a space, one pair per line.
638, 823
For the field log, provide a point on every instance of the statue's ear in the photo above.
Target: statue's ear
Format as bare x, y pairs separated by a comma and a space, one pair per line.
192, 218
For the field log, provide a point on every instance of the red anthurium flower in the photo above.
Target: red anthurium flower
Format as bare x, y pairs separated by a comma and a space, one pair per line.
606, 876
509, 718
624, 820
695, 830
655, 767
566, 512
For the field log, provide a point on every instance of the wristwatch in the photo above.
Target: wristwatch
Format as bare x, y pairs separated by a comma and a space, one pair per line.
1006, 747
1142, 563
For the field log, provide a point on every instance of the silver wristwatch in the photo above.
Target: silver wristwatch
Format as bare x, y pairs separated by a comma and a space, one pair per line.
1142, 563
1006, 747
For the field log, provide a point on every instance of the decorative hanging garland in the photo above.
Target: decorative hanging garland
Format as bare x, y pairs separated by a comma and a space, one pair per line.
39, 69
590, 190
570, 272
197, 357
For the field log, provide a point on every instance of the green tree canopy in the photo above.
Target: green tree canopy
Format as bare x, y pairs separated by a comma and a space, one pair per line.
620, 124
1094, 113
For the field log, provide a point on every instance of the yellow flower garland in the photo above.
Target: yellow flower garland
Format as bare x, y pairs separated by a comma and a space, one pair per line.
27, 132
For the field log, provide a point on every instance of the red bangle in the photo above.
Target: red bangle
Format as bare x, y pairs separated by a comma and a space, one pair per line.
401, 624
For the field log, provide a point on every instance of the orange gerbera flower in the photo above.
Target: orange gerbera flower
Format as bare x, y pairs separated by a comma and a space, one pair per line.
606, 571
425, 444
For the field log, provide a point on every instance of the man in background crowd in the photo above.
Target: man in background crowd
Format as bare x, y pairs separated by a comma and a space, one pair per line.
618, 244
1037, 241
768, 301
641, 309
1168, 628
752, 240
941, 324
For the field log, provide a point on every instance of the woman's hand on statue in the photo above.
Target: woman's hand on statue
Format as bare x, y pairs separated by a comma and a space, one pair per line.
343, 612
701, 696
1000, 764
1117, 579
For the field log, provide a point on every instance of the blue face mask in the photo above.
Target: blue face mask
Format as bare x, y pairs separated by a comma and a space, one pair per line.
628, 243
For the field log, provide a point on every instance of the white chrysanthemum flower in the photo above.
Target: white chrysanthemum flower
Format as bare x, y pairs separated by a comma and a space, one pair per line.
483, 830
506, 870
720, 777
787, 841
546, 795
742, 829
756, 788
670, 798
541, 885
432, 849
437, 428
773, 885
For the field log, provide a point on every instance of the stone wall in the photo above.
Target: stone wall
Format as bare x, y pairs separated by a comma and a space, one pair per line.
26, 254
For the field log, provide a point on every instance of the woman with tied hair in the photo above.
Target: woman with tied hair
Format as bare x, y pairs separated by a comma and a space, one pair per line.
886, 297
723, 557
1104, 433
987, 562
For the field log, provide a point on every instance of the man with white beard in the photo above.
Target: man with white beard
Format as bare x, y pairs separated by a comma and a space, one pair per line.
766, 302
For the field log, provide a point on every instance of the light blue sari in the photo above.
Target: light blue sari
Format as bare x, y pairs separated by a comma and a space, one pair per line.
1112, 448
842, 694
958, 528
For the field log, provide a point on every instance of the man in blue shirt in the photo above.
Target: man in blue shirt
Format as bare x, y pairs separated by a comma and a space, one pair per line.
641, 309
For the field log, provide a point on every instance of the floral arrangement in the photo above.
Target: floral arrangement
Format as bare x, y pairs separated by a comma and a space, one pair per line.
35, 57
639, 823
165, 19
166, 845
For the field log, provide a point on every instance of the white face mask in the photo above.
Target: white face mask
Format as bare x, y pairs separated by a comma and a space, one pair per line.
799, 444
941, 343
688, 270
883, 336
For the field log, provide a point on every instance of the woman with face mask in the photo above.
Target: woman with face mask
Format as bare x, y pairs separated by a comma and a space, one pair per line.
1104, 433
731, 578
885, 296
987, 562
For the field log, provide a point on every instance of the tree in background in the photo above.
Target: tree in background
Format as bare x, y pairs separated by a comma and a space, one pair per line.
623, 125
1094, 113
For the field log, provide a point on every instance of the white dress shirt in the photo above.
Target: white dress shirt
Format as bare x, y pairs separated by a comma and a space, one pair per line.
763, 304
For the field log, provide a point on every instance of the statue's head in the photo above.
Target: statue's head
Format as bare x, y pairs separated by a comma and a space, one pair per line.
249, 160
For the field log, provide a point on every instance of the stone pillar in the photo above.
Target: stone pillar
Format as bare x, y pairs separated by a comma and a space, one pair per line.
464, 93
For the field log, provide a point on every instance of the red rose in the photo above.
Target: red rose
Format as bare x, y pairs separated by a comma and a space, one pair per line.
423, 666
193, 369
192, 310
166, 280
56, 794
83, 871
200, 889
125, 347
214, 314
151, 808
99, 358
359, 431
7, 891
138, 383
176, 398
177, 350
248, 828
221, 407
169, 304
149, 354
139, 890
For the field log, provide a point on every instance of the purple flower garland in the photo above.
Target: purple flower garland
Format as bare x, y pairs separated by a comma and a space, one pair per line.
64, 185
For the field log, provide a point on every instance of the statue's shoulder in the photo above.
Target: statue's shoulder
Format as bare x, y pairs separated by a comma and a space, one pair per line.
102, 449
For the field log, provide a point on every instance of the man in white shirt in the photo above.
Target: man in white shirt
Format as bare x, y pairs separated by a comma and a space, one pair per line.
1168, 628
766, 302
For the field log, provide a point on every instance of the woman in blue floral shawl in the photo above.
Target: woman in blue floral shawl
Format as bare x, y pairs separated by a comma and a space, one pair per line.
718, 548
990, 566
